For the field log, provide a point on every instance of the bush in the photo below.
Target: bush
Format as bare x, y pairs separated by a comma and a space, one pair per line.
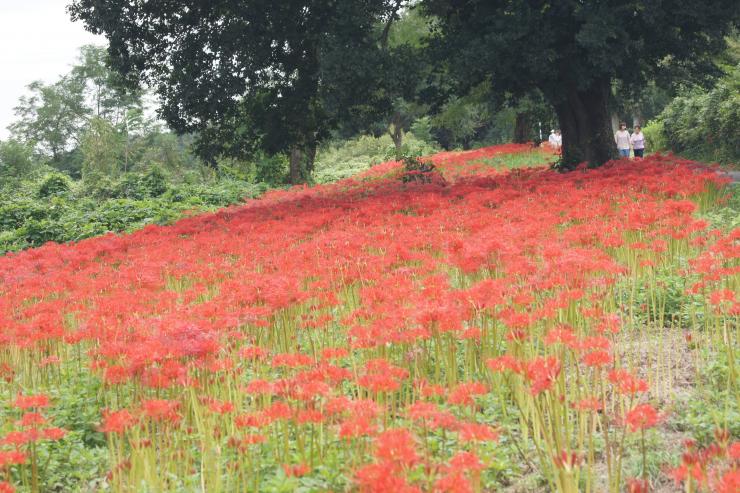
336, 162
655, 140
703, 124
54, 184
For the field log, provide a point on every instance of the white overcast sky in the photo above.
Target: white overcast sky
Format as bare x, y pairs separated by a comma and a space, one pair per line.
38, 41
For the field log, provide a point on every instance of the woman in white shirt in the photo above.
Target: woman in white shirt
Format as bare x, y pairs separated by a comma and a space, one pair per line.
622, 139
637, 139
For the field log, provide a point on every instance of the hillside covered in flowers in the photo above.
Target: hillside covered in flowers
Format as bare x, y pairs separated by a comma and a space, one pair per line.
482, 329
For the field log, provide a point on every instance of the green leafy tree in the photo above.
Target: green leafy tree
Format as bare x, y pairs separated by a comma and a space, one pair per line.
108, 95
51, 117
572, 51
102, 149
16, 159
242, 75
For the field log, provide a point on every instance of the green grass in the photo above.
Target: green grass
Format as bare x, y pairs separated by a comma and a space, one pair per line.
520, 160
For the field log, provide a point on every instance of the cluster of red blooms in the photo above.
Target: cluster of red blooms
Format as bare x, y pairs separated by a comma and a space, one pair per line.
715, 468
30, 428
349, 306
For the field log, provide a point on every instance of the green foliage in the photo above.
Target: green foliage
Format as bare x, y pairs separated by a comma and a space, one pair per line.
417, 169
54, 184
335, 162
55, 208
703, 125
101, 149
655, 139
15, 159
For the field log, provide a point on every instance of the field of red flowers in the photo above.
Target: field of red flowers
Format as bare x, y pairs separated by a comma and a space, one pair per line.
452, 334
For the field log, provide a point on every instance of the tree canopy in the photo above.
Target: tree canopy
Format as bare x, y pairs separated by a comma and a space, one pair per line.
243, 75
280, 76
573, 50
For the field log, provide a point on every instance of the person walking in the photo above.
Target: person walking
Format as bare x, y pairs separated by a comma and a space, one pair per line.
622, 139
637, 139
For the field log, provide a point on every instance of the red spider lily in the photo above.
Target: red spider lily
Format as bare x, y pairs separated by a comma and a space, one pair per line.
463, 393
381, 478
635, 485
642, 416
542, 372
567, 461
6, 487
453, 481
627, 383
470, 432
466, 461
729, 482
597, 359
117, 421
12, 457
31, 420
296, 470
161, 410
31, 401
396, 446
283, 313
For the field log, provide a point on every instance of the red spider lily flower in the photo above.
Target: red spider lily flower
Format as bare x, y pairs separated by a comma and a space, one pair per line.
12, 457
567, 461
278, 411
334, 353
636, 485
729, 482
627, 383
542, 372
734, 451
116, 421
470, 432
381, 478
381, 376
296, 470
454, 481
466, 461
396, 446
357, 427
429, 390
259, 387
31, 401
597, 359
31, 419
252, 420
309, 416
54, 433
253, 353
588, 404
161, 410
19, 438
463, 393
561, 335
292, 360
504, 362
6, 487
219, 407
49, 360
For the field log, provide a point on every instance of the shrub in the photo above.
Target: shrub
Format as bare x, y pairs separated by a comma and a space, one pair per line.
54, 184
703, 124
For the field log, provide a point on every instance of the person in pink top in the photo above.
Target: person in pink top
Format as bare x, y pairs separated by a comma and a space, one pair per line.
637, 139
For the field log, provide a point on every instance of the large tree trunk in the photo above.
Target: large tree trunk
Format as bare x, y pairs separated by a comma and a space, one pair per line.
311, 157
296, 158
585, 123
521, 128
